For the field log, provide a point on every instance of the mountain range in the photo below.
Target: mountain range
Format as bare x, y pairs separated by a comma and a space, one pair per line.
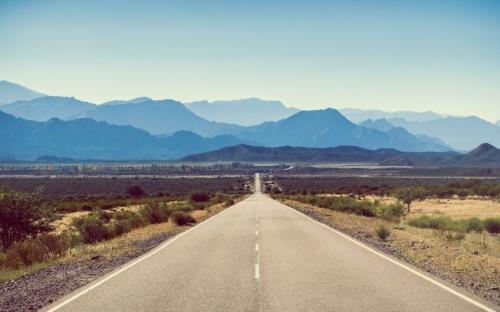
47, 107
157, 117
321, 128
359, 115
328, 128
483, 155
462, 133
246, 112
23, 139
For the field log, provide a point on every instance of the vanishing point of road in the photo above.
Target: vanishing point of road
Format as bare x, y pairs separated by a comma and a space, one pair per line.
260, 255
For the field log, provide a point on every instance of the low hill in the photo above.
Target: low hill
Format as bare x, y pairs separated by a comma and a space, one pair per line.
485, 155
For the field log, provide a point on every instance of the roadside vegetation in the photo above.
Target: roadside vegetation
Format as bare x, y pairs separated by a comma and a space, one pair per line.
385, 186
33, 233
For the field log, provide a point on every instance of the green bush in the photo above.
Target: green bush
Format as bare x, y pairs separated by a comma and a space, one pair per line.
391, 213
448, 224
155, 213
492, 225
182, 218
383, 232
93, 229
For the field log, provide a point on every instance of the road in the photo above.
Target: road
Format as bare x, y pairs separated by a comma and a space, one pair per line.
260, 255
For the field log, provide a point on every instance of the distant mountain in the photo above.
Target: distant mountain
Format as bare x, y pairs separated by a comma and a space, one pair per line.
89, 139
383, 125
329, 128
461, 133
47, 107
359, 115
157, 117
250, 153
483, 156
497, 123
11, 92
246, 112
377, 124
136, 100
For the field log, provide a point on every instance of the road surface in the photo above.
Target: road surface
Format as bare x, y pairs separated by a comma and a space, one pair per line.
260, 255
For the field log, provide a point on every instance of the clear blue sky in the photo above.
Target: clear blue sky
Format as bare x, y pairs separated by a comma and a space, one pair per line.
392, 55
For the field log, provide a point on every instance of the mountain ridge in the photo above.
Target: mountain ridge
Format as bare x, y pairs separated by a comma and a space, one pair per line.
484, 155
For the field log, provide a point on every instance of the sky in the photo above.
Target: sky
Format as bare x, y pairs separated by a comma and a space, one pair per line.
422, 55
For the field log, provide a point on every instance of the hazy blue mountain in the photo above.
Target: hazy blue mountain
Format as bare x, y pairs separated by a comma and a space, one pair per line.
11, 92
497, 123
461, 133
359, 115
157, 117
329, 128
47, 107
431, 143
246, 112
135, 100
485, 155
378, 124
89, 139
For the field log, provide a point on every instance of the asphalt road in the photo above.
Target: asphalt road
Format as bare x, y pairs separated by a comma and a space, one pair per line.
260, 255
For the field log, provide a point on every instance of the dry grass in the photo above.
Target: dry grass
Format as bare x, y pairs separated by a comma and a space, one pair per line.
453, 208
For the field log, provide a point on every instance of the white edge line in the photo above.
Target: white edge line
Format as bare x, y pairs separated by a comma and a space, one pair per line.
425, 277
134, 262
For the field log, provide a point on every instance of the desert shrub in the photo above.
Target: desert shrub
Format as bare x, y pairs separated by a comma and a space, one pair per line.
155, 213
135, 220
135, 191
121, 227
492, 225
53, 243
383, 232
454, 236
93, 229
21, 216
229, 203
391, 213
200, 197
86, 207
448, 224
471, 225
182, 218
198, 206
26, 252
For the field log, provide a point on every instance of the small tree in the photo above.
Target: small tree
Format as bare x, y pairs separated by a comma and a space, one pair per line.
22, 215
409, 194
